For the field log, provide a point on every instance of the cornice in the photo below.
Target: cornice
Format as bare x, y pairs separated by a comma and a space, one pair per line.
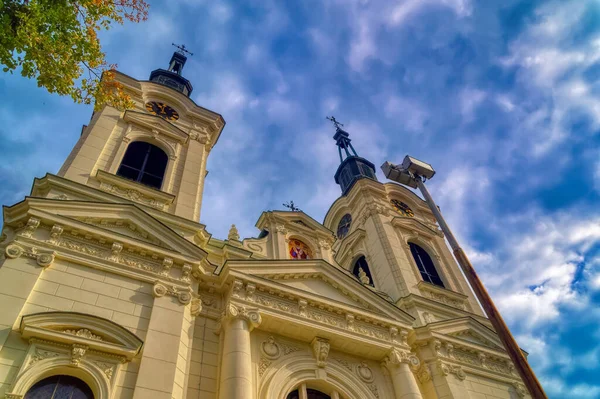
372, 304
324, 320
133, 191
449, 312
460, 357
52, 212
443, 295
343, 250
413, 225
41, 186
46, 244
154, 122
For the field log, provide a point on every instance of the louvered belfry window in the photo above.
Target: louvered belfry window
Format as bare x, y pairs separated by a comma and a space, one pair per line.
425, 265
144, 163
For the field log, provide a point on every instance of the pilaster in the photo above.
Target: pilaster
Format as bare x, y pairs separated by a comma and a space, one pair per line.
165, 357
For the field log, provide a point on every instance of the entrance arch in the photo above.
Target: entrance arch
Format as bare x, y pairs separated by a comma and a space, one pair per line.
287, 374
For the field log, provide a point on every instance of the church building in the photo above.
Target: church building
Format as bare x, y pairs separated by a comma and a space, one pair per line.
110, 288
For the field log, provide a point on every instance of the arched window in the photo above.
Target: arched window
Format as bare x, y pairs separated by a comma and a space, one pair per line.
362, 272
144, 163
310, 394
60, 387
425, 265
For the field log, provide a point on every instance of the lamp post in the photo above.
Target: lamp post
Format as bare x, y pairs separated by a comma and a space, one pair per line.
413, 173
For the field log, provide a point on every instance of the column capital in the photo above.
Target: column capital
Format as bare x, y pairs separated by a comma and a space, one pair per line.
397, 356
250, 315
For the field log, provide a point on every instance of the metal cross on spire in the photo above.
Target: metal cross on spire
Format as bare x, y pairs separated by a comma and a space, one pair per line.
181, 49
334, 121
292, 207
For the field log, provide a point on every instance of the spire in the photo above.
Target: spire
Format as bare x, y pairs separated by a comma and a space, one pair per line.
172, 77
352, 167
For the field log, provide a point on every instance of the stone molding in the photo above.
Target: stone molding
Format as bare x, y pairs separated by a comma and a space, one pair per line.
449, 356
133, 191
319, 313
82, 248
443, 295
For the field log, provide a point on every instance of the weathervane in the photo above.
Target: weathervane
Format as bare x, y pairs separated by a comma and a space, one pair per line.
182, 50
334, 121
292, 206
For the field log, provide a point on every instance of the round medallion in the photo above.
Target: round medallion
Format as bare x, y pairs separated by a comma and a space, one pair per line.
402, 208
162, 110
344, 226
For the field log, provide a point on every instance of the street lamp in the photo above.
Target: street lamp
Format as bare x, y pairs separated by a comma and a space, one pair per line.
413, 173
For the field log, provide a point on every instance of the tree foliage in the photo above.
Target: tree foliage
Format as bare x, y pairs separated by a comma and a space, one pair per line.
56, 42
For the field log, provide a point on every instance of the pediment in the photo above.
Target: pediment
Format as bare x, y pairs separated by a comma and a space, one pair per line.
414, 225
94, 332
153, 122
299, 221
124, 223
318, 279
346, 246
467, 330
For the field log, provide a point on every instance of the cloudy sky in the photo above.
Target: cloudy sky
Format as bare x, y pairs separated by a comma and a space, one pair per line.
502, 100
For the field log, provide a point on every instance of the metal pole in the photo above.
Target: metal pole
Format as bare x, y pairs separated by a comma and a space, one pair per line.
511, 346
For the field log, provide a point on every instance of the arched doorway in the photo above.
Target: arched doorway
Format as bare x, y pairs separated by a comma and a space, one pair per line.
60, 387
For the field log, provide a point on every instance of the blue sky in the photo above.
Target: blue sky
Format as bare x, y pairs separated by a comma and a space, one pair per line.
503, 100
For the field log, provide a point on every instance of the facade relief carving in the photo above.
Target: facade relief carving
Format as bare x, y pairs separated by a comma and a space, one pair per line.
320, 348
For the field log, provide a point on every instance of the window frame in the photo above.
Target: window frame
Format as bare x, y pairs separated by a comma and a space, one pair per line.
425, 272
141, 171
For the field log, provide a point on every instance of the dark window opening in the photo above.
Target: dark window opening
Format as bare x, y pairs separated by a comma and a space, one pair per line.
425, 265
60, 387
362, 272
310, 394
144, 163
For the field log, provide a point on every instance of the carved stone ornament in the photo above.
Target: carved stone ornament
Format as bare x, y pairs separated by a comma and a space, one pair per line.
364, 372
362, 276
41, 354
84, 333
398, 356
320, 347
30, 227
46, 259
251, 316
270, 348
159, 290
186, 270
196, 307
446, 369
184, 297
13, 251
13, 396
166, 266
77, 353
233, 234
55, 233
423, 374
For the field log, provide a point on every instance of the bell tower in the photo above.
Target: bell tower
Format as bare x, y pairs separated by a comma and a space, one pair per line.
388, 239
154, 154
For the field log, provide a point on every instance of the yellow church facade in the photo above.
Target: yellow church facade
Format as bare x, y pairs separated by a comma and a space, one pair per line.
110, 288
